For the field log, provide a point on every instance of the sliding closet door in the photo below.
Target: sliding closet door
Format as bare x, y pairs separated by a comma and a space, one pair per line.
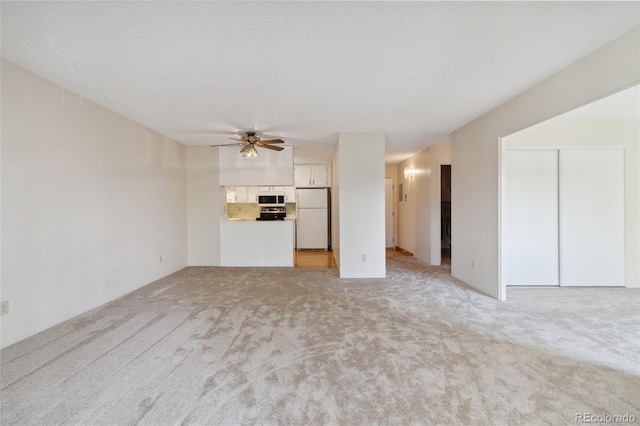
592, 217
530, 214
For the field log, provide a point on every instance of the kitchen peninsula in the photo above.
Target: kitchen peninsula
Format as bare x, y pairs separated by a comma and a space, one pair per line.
248, 242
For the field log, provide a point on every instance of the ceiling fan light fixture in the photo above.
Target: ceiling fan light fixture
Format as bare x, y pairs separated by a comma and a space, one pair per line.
249, 151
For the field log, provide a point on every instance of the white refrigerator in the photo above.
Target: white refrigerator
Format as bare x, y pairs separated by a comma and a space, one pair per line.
312, 222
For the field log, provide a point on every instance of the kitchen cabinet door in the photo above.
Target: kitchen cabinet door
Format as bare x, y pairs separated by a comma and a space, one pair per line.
242, 194
290, 194
231, 194
320, 176
302, 175
312, 175
252, 194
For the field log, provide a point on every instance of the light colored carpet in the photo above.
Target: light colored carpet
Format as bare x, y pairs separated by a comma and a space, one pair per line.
282, 346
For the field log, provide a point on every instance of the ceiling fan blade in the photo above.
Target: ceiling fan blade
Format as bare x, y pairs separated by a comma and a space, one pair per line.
274, 148
272, 141
237, 139
228, 144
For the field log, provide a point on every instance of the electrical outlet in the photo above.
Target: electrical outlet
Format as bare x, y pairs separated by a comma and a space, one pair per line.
160, 258
4, 307
363, 258
473, 264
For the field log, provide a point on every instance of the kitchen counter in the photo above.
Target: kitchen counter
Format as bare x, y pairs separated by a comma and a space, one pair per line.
250, 242
253, 219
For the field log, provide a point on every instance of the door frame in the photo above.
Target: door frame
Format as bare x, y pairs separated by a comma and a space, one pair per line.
393, 209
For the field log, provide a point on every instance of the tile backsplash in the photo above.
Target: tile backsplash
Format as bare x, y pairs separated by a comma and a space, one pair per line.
243, 210
251, 210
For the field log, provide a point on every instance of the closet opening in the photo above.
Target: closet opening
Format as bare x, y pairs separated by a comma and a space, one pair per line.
445, 211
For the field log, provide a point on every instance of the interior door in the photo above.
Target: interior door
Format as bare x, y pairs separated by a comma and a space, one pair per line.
388, 212
592, 217
530, 215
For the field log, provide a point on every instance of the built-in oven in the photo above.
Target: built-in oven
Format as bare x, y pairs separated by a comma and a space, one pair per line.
271, 199
272, 213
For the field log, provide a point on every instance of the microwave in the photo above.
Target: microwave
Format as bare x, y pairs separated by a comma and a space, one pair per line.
271, 199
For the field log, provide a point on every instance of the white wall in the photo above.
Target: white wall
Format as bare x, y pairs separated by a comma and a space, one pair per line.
475, 152
90, 201
360, 164
335, 206
563, 131
203, 206
419, 219
391, 172
407, 206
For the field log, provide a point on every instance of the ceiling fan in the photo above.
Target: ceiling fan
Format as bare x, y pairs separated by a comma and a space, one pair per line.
249, 143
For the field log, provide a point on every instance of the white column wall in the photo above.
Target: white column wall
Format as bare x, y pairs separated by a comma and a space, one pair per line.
361, 168
475, 154
204, 200
93, 204
335, 206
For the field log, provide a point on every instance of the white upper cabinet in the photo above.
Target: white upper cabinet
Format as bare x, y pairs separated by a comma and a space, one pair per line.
249, 194
271, 168
238, 194
290, 194
302, 175
312, 175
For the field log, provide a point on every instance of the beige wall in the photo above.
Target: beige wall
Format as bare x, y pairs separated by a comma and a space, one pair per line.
563, 132
419, 215
90, 202
391, 172
204, 204
475, 151
407, 206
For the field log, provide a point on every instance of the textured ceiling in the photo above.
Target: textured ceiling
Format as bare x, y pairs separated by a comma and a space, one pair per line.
304, 71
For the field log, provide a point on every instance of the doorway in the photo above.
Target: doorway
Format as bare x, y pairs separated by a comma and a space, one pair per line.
445, 211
